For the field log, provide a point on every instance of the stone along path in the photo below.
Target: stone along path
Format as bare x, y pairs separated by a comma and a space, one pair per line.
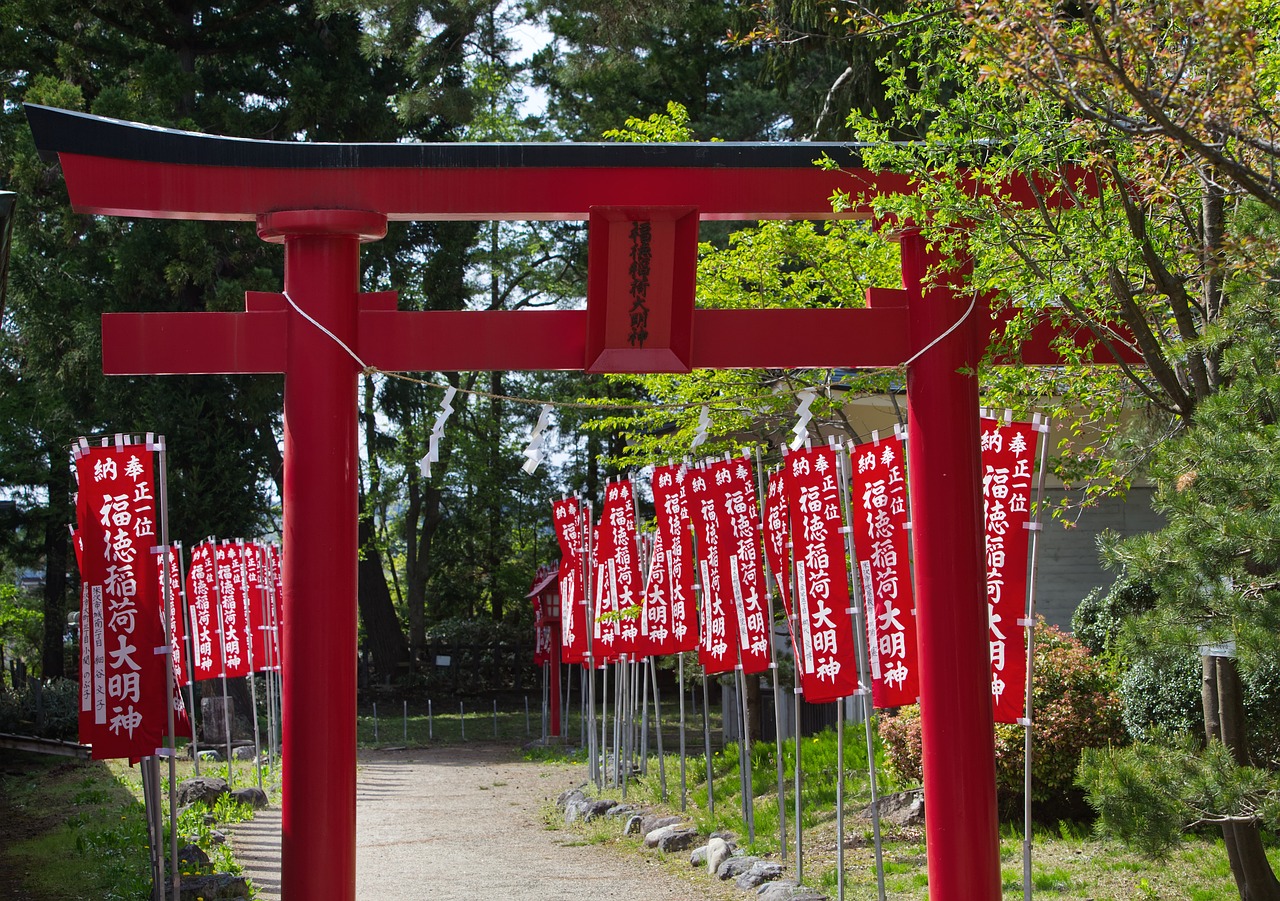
466, 822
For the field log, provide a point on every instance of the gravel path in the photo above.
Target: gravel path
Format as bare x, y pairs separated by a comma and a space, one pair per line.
466, 822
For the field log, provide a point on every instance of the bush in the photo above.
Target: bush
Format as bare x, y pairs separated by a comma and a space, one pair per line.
1161, 693
53, 714
1075, 707
1100, 617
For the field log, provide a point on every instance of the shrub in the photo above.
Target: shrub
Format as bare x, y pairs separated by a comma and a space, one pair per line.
1075, 707
1161, 693
54, 714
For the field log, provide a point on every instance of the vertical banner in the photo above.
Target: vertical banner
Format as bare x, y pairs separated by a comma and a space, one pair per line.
541, 629
827, 657
881, 543
670, 617
277, 606
619, 590
257, 590
177, 635
744, 566
129, 707
1008, 455
567, 518
777, 532
718, 627
206, 640
231, 605
177, 628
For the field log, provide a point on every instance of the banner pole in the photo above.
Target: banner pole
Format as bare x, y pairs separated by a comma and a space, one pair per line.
706, 742
761, 500
222, 648
253, 684
1042, 428
167, 601
799, 781
267, 579
860, 637
657, 723
684, 780
642, 673
190, 648
840, 799
744, 751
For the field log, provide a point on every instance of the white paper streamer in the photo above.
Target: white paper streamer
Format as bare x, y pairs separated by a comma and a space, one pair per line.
801, 430
437, 431
534, 451
704, 424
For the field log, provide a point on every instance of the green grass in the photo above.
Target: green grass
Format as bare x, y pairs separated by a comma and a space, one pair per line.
1069, 863
83, 830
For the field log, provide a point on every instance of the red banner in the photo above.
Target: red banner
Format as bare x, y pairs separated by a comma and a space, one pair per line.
828, 657
257, 585
882, 546
743, 566
177, 627
206, 633
277, 606
670, 616
128, 715
1008, 458
718, 627
618, 582
777, 532
567, 517
233, 601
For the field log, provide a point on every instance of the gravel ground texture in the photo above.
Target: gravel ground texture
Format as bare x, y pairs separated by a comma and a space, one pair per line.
467, 822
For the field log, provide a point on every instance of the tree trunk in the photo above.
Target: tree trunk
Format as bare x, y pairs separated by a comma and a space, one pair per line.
56, 546
1225, 722
378, 614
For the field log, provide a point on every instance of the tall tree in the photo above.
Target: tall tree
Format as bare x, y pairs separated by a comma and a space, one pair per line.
243, 68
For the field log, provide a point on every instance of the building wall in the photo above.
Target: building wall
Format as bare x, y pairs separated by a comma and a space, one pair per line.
1068, 559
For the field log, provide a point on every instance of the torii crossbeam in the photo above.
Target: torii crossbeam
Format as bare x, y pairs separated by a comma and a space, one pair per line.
322, 200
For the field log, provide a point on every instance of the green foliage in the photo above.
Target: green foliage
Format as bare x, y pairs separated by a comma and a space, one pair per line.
50, 711
1161, 694
1075, 707
1099, 619
1150, 794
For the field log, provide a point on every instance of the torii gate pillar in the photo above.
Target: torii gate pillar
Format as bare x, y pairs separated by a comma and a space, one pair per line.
321, 275
950, 577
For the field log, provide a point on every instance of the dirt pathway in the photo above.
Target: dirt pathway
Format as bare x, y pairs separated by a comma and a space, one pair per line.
466, 822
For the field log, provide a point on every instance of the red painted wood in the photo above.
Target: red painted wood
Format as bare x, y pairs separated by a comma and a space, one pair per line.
320, 547
951, 603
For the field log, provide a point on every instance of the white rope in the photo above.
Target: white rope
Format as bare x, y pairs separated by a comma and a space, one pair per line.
959, 322
364, 368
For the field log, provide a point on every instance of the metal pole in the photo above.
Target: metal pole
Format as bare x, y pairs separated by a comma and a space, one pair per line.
375, 722
406, 721
431, 722
773, 672
191, 672
1043, 428
684, 780
169, 610
462, 720
657, 722
860, 633
799, 785
222, 648
744, 746
253, 685
840, 799
642, 674
706, 742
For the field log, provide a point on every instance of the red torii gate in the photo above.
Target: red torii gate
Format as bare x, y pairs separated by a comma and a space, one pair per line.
321, 201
